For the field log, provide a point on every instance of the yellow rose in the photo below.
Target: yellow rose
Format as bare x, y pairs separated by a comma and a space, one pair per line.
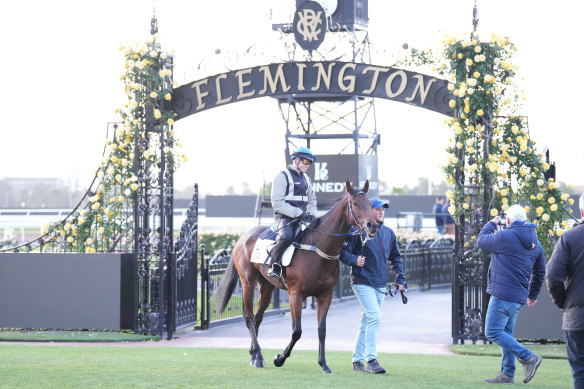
504, 207
170, 121
154, 95
89, 241
545, 217
559, 232
465, 206
168, 96
70, 239
526, 208
494, 212
469, 62
459, 55
134, 186
554, 207
100, 230
157, 114
452, 103
480, 112
551, 200
539, 196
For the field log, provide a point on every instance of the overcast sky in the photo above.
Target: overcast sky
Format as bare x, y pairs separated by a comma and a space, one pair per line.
61, 84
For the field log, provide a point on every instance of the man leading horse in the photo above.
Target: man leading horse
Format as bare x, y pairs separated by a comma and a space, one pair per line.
293, 200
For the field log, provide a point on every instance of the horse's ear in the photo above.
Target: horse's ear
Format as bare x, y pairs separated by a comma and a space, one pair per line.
349, 187
366, 186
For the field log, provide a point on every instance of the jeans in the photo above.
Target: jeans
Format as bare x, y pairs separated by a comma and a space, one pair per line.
371, 300
501, 316
575, 345
440, 229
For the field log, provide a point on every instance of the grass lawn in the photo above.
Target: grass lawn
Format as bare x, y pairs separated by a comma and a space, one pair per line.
131, 366
73, 336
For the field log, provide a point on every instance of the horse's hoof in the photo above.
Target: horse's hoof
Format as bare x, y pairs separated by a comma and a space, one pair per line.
279, 360
326, 370
257, 362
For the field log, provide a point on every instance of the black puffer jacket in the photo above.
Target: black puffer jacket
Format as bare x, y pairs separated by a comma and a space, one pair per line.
565, 278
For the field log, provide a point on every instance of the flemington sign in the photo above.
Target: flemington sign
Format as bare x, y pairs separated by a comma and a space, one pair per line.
313, 80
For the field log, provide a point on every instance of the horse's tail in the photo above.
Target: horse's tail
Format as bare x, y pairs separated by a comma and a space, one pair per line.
226, 286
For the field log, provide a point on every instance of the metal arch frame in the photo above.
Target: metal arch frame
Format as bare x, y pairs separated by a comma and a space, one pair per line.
300, 111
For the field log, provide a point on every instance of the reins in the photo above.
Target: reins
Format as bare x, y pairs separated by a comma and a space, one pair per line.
362, 232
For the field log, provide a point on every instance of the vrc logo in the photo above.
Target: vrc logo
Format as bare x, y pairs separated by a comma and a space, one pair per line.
320, 171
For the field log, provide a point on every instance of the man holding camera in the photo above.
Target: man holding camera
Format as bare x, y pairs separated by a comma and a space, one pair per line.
292, 200
515, 277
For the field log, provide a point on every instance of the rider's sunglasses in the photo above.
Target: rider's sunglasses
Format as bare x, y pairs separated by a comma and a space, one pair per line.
306, 161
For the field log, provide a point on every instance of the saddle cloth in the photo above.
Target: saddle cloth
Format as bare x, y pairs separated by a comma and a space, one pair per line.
264, 245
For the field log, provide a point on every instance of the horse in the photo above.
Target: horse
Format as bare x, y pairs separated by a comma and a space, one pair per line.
310, 273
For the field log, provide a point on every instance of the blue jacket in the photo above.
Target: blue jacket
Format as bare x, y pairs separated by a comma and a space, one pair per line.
517, 267
377, 251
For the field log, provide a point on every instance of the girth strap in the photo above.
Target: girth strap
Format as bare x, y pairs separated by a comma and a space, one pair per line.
316, 250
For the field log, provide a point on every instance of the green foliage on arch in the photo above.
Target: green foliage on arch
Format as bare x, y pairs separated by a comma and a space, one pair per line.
483, 78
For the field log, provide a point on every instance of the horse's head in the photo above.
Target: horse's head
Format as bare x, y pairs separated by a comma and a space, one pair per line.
360, 214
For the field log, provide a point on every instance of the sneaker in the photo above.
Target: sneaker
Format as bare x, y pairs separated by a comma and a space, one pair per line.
501, 378
373, 367
358, 366
275, 270
530, 367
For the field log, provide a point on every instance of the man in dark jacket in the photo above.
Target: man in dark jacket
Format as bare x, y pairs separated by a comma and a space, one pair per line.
369, 276
565, 282
516, 274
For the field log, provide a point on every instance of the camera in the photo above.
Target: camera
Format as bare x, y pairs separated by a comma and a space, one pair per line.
503, 222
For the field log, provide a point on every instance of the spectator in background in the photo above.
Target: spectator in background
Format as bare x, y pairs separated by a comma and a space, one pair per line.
437, 211
448, 220
565, 282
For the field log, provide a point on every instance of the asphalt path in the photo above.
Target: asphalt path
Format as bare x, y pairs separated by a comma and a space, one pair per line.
422, 326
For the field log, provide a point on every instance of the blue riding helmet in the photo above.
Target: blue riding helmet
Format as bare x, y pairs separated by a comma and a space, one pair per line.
303, 152
376, 203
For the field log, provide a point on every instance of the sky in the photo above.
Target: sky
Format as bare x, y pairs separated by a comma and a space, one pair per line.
61, 71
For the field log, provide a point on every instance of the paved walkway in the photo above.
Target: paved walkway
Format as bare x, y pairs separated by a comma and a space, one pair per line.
423, 326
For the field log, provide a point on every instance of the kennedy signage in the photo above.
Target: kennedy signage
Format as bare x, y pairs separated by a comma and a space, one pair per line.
313, 79
330, 173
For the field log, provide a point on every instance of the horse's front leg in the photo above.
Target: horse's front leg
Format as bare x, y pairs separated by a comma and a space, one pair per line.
296, 315
322, 307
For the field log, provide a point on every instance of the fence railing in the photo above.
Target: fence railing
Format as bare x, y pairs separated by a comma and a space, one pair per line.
427, 264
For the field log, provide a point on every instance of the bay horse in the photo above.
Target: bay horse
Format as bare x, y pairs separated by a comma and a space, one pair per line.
309, 273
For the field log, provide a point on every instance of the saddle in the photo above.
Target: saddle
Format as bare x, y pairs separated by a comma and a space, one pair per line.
267, 240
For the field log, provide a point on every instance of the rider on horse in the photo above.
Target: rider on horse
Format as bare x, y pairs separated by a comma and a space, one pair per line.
293, 200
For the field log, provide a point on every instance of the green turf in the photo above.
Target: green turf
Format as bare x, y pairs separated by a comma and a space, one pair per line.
73, 336
132, 366
552, 351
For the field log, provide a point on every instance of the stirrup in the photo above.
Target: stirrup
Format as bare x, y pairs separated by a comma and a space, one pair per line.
275, 270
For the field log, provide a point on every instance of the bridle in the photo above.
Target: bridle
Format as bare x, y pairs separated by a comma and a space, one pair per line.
363, 235
362, 231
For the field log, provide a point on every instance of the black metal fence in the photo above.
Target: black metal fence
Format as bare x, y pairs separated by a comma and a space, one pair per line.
427, 264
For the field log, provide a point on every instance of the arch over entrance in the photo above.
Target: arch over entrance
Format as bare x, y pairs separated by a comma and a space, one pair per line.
322, 80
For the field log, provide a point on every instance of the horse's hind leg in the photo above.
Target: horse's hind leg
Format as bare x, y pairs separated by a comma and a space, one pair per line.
296, 314
266, 290
322, 307
255, 350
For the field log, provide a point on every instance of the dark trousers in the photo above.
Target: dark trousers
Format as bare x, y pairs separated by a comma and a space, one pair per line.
575, 346
285, 238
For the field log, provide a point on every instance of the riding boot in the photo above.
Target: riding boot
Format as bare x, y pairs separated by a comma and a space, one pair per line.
275, 268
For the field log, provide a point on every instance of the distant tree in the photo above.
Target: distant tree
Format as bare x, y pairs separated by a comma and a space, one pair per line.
245, 189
